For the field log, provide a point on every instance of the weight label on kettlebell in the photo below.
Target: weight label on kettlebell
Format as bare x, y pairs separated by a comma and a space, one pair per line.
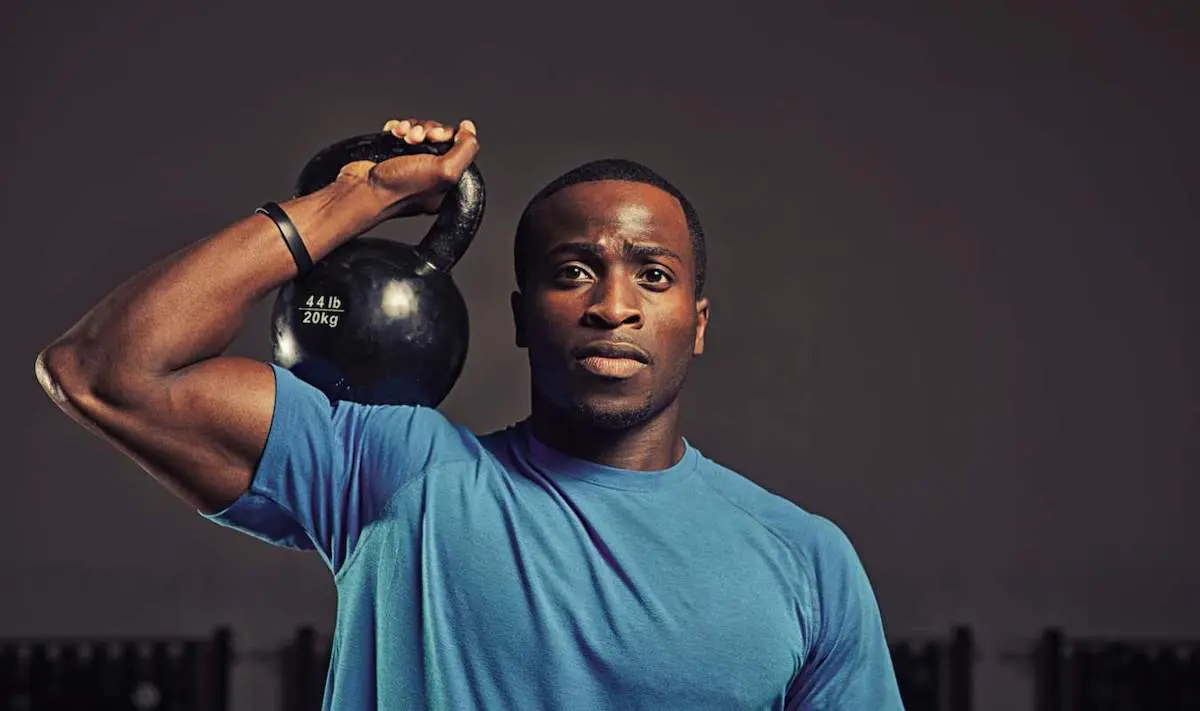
322, 311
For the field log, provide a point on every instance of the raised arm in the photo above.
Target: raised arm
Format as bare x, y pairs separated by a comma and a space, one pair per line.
144, 368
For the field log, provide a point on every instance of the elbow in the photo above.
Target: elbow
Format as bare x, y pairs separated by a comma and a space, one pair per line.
58, 370
91, 383
50, 368
71, 377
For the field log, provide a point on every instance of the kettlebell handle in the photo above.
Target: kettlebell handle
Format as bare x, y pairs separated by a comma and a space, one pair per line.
462, 209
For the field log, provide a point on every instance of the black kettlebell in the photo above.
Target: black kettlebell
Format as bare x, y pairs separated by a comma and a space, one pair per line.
377, 321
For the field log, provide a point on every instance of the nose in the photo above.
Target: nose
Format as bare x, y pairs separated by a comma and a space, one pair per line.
614, 304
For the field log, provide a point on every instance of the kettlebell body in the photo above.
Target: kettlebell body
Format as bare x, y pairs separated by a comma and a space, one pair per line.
377, 321
374, 323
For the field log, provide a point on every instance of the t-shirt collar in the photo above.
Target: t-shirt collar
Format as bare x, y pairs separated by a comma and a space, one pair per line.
558, 465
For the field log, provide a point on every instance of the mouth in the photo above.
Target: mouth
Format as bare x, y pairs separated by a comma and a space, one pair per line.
613, 368
608, 359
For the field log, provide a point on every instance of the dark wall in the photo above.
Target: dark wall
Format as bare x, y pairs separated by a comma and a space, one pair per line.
950, 269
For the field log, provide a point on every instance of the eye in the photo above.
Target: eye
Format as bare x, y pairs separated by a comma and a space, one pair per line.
571, 273
656, 276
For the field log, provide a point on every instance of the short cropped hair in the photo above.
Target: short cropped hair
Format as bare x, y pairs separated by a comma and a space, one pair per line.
610, 169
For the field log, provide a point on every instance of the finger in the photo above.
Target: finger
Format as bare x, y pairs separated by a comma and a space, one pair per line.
437, 131
397, 127
416, 134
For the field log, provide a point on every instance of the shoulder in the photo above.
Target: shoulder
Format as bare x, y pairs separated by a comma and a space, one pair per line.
815, 538
299, 405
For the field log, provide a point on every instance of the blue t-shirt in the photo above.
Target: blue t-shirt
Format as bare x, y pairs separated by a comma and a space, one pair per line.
492, 572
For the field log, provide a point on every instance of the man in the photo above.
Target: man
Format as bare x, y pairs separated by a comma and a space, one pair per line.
587, 557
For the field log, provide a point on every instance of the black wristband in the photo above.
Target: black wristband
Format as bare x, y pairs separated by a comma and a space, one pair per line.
291, 236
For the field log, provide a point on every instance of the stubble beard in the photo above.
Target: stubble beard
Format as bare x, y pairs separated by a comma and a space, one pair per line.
613, 417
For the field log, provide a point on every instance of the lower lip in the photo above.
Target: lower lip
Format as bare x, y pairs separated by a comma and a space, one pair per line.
611, 367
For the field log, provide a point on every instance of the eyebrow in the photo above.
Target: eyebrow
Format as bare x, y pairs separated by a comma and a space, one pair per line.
630, 251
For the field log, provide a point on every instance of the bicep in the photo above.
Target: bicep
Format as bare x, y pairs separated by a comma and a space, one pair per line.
218, 414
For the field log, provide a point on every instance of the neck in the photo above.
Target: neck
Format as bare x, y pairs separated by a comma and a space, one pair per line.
651, 445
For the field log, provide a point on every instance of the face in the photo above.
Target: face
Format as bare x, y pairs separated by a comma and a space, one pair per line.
609, 313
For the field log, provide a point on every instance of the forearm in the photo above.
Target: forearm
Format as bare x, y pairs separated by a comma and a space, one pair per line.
189, 306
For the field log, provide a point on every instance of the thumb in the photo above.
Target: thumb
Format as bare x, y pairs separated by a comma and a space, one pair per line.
356, 169
463, 152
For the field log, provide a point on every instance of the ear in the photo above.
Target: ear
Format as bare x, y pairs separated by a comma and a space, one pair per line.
701, 325
515, 299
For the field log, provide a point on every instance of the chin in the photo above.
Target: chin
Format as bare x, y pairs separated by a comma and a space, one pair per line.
611, 414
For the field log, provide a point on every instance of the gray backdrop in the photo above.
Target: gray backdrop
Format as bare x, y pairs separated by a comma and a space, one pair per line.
950, 262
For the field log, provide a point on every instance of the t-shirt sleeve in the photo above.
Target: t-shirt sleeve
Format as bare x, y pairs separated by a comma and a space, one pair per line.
849, 666
329, 468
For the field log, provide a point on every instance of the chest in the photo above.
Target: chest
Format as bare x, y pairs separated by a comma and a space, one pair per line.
627, 592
